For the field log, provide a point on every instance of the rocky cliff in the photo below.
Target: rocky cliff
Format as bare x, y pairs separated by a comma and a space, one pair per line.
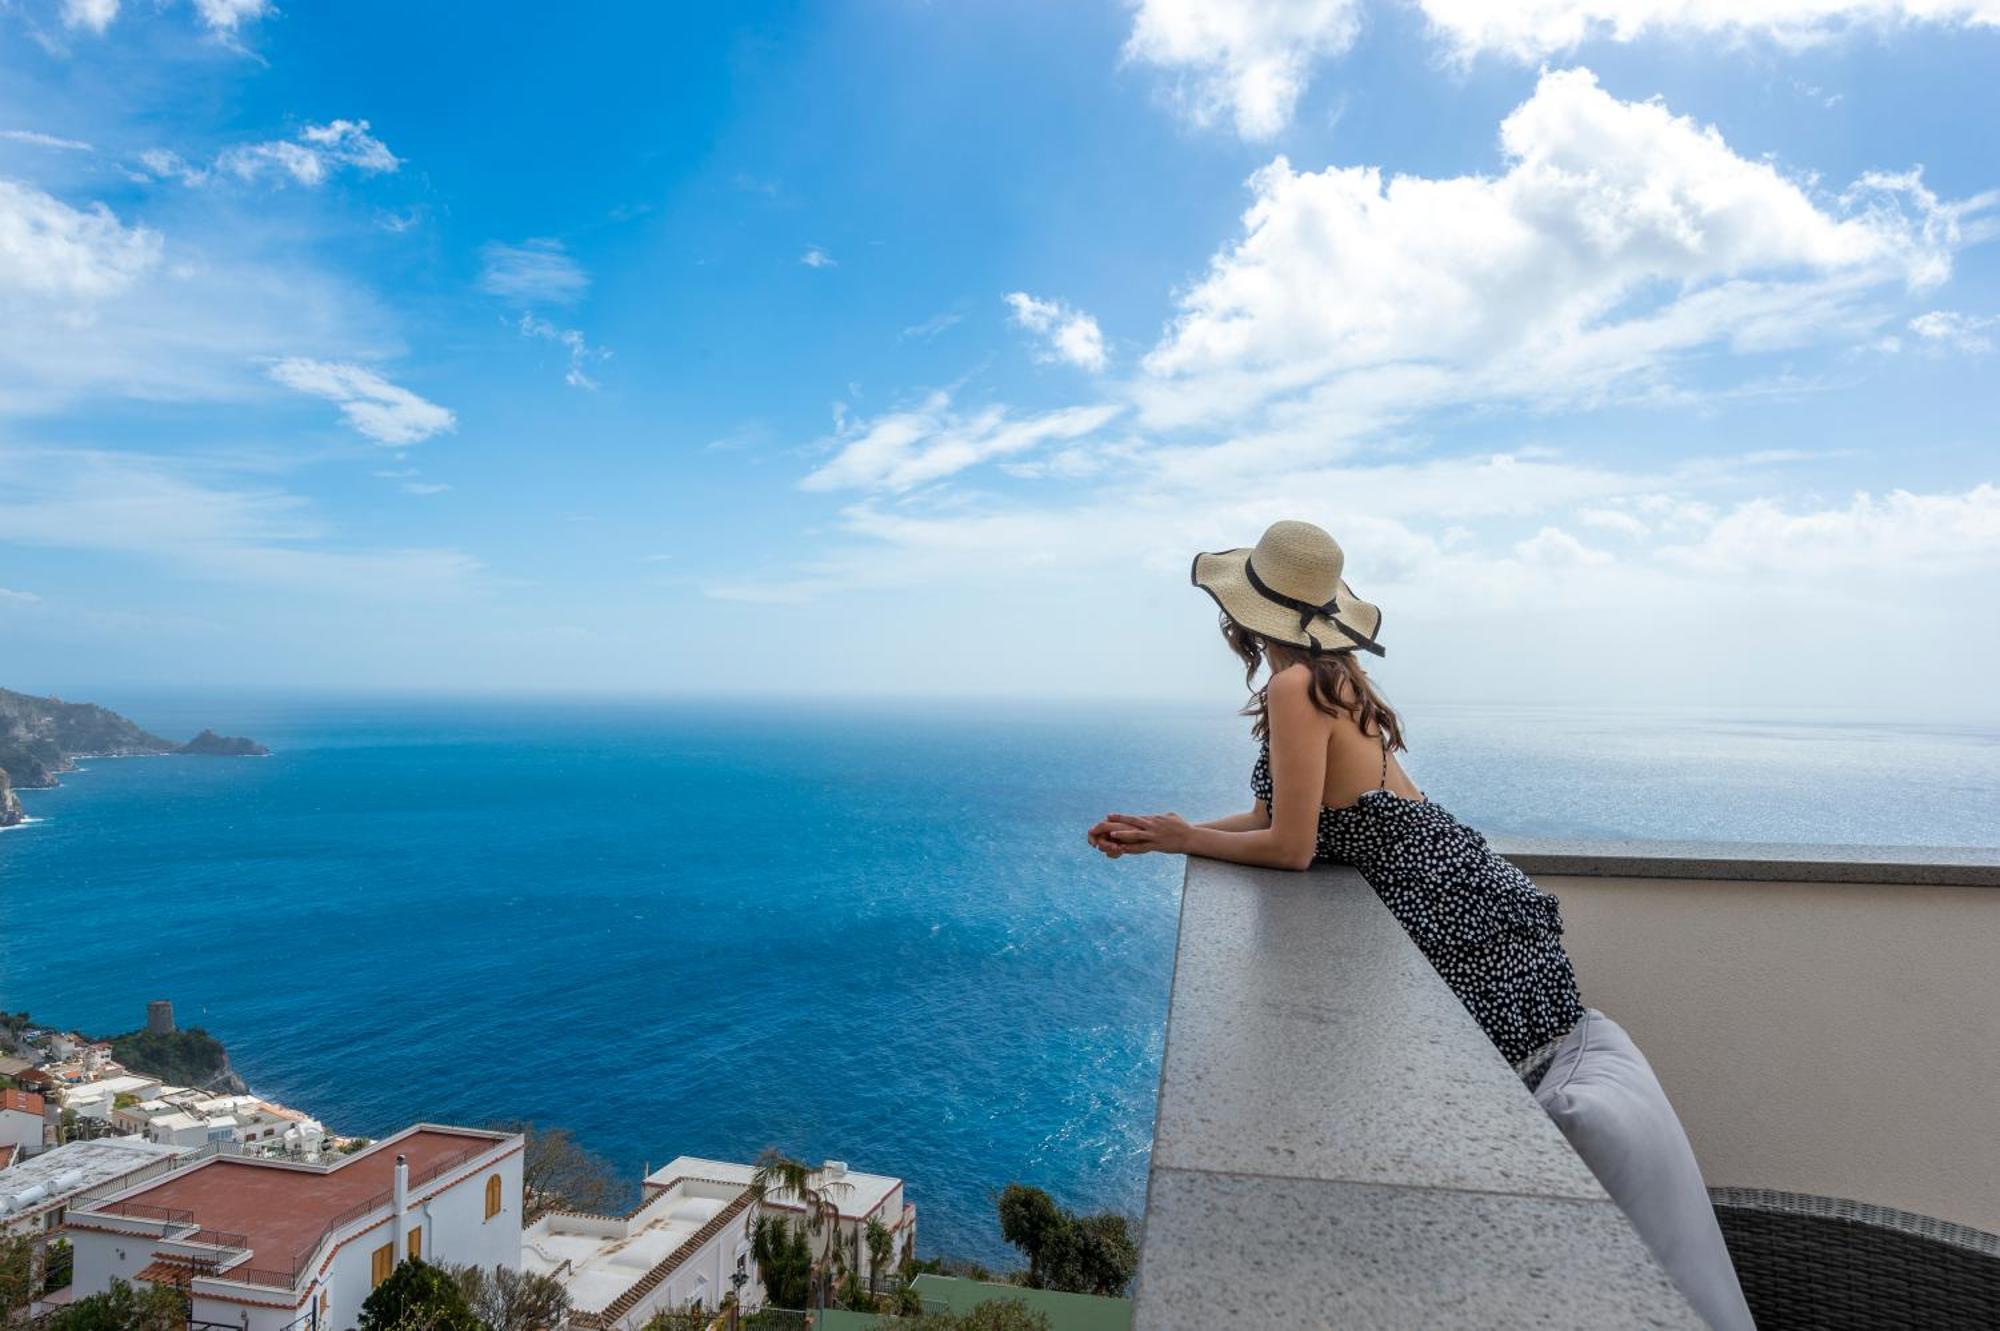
39, 738
224, 746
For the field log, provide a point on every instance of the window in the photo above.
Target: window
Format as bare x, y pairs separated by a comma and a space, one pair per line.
381, 1264
492, 1196
417, 1242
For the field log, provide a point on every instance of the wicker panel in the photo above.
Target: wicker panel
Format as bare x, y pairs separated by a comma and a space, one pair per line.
1832, 1265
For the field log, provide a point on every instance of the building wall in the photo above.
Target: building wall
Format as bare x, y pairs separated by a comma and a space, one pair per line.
22, 1129
1830, 1038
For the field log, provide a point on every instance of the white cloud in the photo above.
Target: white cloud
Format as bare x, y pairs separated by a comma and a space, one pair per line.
375, 407
1898, 535
1552, 547
226, 16
8, 595
49, 248
1069, 334
815, 257
535, 272
1248, 60
1533, 29
930, 441
309, 159
96, 15
934, 325
155, 509
1618, 236
1950, 330
36, 138
424, 487
581, 353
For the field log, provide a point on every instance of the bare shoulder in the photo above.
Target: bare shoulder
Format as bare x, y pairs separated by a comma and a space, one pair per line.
1289, 705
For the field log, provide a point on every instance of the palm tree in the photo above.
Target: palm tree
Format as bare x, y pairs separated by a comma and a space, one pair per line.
880, 1243
777, 1175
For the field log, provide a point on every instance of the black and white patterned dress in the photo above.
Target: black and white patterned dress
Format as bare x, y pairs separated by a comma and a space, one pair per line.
1491, 933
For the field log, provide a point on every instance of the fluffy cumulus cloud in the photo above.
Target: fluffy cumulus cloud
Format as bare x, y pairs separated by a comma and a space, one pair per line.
932, 440
1246, 61
815, 257
49, 248
535, 272
1532, 29
1897, 534
89, 15
1619, 235
1067, 334
383, 411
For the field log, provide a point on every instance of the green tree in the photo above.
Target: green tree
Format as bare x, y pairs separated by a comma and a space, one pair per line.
417, 1297
680, 1319
881, 1243
784, 1259
778, 1175
1080, 1254
123, 1308
1031, 1221
20, 1274
507, 1300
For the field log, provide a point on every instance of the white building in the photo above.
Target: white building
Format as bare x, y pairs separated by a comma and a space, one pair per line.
178, 1116
34, 1193
273, 1245
99, 1099
678, 1247
23, 1121
860, 1198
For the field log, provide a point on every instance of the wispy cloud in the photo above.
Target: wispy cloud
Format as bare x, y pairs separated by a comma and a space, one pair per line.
384, 412
931, 440
40, 140
310, 158
934, 325
1533, 31
581, 353
224, 18
815, 257
1069, 335
90, 15
158, 510
49, 248
1953, 331
535, 272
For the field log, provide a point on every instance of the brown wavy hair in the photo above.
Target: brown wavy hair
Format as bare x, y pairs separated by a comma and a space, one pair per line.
1339, 687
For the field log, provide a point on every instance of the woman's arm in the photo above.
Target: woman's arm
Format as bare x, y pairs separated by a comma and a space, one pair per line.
1241, 822
1299, 734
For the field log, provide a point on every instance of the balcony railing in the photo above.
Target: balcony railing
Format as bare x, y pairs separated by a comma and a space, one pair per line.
1338, 1145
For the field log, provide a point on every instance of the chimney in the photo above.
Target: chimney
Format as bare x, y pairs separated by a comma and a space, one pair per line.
402, 1208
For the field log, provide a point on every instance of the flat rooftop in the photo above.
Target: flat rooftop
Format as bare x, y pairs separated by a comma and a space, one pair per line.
604, 1266
93, 1163
283, 1212
863, 1193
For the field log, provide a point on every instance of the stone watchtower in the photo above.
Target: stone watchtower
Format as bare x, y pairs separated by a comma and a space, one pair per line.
160, 1017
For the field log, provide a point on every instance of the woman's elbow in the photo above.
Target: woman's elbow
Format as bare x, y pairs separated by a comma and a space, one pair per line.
1296, 858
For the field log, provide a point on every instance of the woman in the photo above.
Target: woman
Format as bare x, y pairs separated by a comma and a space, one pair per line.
1328, 787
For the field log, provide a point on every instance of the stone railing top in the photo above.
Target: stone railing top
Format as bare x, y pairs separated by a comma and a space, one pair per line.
1339, 1145
1773, 862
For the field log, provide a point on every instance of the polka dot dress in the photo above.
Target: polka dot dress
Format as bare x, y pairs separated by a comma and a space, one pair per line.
1490, 932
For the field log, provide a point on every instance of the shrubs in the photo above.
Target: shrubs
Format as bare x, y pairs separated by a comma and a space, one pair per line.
1092, 1254
418, 1297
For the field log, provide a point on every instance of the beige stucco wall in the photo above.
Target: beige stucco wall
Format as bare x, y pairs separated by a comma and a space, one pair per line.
1836, 1039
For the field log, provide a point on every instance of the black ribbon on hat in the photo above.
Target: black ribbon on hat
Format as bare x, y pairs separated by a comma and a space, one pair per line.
1308, 612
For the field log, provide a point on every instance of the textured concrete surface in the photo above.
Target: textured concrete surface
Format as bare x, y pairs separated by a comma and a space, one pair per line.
1339, 1145
1947, 866
1310, 1039
1229, 1250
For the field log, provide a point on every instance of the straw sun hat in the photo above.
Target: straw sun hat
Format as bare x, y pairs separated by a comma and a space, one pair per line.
1289, 589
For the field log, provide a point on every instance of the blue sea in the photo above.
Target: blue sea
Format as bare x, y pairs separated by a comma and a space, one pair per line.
860, 931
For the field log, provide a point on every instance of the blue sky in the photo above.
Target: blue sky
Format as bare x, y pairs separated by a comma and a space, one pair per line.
1635, 352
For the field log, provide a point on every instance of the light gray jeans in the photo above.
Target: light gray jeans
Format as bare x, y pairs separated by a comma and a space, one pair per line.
1603, 1095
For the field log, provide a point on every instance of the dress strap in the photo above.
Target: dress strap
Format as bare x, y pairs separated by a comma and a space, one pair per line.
1385, 762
